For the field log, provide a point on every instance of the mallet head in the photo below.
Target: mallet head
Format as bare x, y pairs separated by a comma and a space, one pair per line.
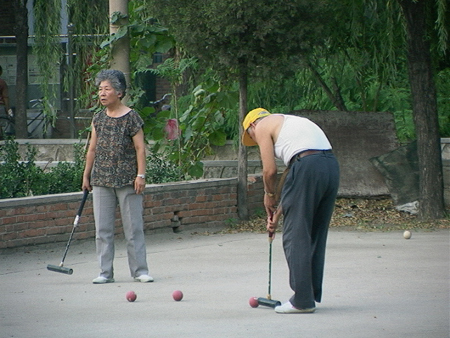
269, 302
60, 269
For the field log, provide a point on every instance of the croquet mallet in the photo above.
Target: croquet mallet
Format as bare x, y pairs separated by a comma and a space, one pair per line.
60, 268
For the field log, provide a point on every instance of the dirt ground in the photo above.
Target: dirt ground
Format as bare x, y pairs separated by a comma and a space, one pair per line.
367, 215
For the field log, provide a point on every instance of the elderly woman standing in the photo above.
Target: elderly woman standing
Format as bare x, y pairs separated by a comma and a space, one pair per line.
115, 172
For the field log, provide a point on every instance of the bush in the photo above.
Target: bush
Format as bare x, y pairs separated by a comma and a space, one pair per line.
23, 178
67, 176
160, 170
18, 179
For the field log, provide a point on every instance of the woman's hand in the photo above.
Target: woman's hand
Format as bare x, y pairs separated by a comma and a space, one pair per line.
139, 185
86, 184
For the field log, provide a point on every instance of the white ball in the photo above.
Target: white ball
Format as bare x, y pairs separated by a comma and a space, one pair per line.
407, 234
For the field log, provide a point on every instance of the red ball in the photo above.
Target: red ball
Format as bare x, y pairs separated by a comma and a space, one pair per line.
253, 301
177, 295
131, 296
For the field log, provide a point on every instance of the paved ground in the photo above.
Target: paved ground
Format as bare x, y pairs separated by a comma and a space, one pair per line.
376, 285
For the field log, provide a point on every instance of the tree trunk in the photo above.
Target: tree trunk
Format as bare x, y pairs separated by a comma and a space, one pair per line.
425, 111
21, 32
335, 97
242, 200
121, 48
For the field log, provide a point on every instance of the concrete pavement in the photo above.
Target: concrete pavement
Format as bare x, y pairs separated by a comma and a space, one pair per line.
376, 285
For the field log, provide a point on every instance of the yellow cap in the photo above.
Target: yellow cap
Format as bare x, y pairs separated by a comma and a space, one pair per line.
251, 117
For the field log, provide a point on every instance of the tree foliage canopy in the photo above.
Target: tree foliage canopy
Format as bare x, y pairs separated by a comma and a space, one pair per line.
258, 33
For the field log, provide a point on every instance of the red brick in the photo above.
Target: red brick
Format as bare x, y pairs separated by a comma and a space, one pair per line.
61, 221
9, 236
32, 233
38, 224
54, 230
21, 226
200, 198
43, 208
9, 220
29, 217
58, 206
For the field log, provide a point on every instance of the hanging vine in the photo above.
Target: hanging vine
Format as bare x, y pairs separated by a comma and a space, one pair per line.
89, 20
90, 26
47, 48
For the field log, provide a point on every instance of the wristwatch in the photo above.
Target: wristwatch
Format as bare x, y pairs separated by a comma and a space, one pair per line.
269, 194
141, 176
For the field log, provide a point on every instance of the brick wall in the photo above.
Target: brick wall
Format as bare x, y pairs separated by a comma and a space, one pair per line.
48, 219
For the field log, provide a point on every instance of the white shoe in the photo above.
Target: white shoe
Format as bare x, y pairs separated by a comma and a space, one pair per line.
289, 308
144, 279
102, 280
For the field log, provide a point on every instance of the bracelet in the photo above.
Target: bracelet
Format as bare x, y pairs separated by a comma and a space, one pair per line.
141, 176
269, 194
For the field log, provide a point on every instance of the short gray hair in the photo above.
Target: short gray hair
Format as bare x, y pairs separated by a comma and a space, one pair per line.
115, 77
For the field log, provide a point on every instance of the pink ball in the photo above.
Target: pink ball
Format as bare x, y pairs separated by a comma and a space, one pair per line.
177, 295
253, 301
131, 296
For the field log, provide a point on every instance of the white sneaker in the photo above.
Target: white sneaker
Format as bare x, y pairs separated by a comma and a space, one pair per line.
144, 279
102, 280
289, 308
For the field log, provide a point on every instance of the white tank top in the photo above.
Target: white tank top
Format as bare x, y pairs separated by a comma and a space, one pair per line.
298, 134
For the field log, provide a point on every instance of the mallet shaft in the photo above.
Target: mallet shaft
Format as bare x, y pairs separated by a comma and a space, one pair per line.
270, 265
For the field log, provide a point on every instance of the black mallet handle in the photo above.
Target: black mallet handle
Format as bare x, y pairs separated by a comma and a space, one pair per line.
270, 264
75, 224
80, 209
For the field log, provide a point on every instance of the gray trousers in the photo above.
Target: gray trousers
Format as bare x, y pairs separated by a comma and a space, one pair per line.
131, 211
308, 199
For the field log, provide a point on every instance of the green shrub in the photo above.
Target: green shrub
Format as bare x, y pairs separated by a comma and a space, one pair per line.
23, 178
65, 177
160, 170
18, 178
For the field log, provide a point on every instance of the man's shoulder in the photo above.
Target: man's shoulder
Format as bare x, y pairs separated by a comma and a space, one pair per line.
269, 126
272, 121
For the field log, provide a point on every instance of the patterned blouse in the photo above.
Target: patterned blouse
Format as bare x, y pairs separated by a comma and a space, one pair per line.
115, 163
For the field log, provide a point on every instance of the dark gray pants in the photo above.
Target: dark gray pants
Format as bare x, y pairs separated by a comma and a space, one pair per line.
308, 199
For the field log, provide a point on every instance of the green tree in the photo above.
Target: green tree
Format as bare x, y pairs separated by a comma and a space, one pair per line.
242, 39
369, 40
385, 34
418, 15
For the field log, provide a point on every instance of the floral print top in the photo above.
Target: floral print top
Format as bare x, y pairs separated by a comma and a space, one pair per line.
115, 163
